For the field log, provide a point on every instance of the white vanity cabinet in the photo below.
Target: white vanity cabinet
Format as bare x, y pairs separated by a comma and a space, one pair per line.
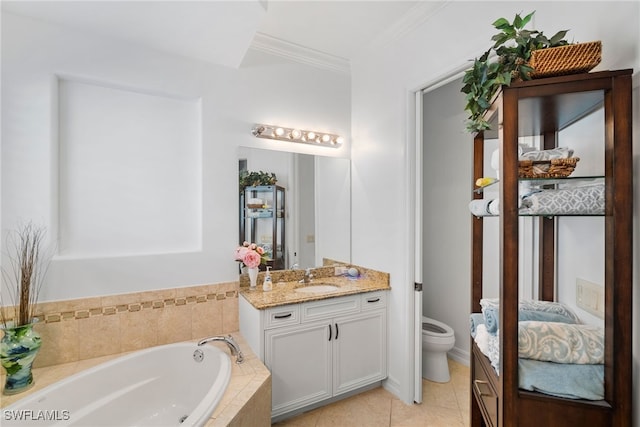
319, 350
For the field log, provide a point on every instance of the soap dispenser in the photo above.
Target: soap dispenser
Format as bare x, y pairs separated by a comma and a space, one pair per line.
267, 285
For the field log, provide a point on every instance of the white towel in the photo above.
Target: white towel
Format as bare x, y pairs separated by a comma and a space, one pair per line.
484, 207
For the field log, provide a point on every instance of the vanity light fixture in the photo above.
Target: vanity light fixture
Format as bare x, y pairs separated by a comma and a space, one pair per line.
297, 135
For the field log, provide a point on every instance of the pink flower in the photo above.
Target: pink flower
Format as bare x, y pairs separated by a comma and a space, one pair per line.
252, 259
250, 254
241, 252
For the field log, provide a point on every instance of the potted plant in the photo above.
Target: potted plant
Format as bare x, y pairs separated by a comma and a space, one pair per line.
23, 277
253, 179
513, 47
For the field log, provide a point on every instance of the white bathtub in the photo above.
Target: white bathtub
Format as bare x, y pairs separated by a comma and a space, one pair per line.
159, 386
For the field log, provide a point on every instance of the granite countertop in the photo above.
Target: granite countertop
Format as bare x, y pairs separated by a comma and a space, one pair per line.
285, 282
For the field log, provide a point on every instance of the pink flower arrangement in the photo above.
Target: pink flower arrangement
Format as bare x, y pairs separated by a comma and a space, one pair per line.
249, 254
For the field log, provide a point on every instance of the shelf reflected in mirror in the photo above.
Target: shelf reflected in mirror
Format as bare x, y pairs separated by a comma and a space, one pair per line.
318, 204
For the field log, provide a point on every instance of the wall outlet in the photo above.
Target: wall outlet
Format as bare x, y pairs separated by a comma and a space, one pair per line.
590, 297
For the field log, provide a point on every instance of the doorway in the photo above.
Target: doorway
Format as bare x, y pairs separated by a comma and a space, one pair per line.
443, 225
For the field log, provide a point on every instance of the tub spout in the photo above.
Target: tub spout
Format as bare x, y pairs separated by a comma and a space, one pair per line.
233, 345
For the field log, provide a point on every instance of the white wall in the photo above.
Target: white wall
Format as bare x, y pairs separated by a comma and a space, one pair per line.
382, 115
264, 90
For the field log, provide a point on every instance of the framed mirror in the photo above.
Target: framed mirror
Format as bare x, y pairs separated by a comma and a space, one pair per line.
317, 210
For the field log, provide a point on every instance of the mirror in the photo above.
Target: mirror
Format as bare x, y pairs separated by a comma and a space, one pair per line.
317, 203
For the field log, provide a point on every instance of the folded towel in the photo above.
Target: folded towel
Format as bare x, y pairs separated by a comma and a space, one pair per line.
475, 319
492, 317
561, 342
555, 153
535, 305
588, 199
562, 380
482, 339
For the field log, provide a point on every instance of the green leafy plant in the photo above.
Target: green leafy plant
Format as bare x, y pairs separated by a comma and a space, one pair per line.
253, 179
513, 46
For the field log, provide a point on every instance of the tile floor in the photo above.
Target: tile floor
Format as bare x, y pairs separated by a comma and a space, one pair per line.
444, 405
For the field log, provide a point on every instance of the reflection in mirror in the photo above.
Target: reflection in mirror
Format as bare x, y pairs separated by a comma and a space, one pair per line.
318, 204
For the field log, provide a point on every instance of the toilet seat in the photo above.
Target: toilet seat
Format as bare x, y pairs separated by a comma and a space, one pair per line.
432, 327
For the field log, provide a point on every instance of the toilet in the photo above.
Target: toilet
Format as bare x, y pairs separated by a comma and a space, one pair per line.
437, 339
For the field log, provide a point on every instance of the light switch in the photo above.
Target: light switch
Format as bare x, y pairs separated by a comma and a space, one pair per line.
590, 297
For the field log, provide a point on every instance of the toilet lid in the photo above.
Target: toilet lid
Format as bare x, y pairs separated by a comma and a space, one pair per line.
430, 327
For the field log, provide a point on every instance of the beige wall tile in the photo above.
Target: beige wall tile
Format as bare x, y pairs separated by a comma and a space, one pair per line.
137, 297
98, 336
84, 328
60, 343
139, 329
230, 314
206, 319
174, 324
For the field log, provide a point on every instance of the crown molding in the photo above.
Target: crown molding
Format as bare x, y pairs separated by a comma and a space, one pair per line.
294, 52
412, 19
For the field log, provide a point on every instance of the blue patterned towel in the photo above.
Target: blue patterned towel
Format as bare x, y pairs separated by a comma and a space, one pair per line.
561, 342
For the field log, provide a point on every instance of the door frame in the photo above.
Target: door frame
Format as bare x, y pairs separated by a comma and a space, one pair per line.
414, 168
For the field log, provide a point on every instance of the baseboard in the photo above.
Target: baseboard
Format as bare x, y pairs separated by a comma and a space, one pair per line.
460, 356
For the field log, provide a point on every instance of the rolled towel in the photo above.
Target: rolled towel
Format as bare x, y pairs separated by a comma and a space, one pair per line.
491, 319
475, 319
484, 207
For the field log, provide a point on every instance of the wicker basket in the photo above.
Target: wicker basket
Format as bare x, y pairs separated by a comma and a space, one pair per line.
555, 168
562, 60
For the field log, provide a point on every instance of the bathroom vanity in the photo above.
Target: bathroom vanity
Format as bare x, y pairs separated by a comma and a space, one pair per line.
319, 346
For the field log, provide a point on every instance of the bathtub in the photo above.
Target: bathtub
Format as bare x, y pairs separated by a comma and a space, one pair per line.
172, 385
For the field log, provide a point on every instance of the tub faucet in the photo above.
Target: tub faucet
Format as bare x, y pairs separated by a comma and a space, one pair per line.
308, 276
233, 346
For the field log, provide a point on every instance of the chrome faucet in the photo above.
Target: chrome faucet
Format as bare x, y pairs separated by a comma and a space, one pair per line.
308, 276
233, 346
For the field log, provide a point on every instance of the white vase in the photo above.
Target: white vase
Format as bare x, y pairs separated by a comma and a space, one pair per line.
253, 277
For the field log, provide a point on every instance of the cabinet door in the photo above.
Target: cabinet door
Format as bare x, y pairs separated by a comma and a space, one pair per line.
299, 358
360, 356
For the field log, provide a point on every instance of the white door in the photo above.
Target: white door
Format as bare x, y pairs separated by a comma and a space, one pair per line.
417, 311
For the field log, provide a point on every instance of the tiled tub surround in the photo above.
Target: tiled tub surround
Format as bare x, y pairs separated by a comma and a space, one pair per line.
87, 328
286, 281
246, 402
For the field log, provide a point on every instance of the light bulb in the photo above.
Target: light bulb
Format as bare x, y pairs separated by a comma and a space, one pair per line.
311, 135
326, 138
339, 140
296, 134
279, 131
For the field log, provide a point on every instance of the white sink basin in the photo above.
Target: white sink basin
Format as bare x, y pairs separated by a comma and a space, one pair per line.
316, 289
